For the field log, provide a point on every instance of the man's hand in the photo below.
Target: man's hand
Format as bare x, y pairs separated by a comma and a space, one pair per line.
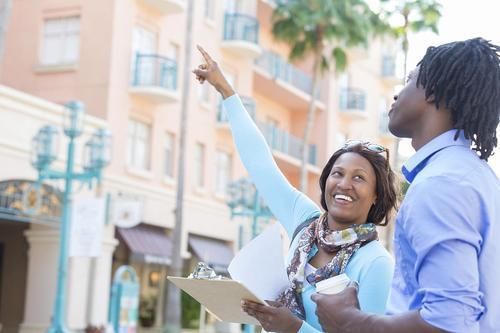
273, 318
336, 313
340, 313
210, 72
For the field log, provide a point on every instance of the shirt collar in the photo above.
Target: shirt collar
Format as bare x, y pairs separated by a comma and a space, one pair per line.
418, 161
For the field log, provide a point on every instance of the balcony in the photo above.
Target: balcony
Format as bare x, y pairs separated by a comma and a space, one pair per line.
155, 77
241, 35
352, 101
388, 71
166, 7
286, 143
249, 105
286, 83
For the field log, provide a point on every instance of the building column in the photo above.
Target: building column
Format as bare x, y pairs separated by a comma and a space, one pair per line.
41, 278
89, 281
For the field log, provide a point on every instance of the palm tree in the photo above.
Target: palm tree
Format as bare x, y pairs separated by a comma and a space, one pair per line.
321, 30
172, 308
416, 15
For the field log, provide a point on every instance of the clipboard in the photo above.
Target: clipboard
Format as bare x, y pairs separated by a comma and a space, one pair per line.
222, 298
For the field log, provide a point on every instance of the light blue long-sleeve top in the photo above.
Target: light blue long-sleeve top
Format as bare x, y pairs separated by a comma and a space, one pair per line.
447, 239
372, 266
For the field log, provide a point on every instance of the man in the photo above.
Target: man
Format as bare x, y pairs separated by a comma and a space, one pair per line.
447, 237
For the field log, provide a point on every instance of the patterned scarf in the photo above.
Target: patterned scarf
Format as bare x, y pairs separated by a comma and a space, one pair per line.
345, 242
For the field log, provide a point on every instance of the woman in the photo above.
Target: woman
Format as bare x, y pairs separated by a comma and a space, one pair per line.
357, 193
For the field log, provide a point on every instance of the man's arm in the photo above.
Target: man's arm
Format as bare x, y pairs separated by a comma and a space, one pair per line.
347, 318
442, 228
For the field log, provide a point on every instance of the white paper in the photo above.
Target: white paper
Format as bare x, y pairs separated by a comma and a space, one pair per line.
260, 265
87, 222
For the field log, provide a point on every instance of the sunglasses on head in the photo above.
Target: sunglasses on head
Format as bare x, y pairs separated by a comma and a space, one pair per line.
366, 145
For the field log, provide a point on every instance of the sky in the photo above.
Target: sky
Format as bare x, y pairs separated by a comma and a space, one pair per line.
461, 19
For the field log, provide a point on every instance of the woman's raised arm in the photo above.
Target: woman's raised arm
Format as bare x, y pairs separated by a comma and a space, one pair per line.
288, 205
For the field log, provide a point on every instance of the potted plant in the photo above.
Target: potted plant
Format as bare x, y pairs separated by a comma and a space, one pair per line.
147, 310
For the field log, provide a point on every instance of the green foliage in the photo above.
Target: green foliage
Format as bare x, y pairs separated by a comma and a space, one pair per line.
309, 25
147, 310
416, 15
190, 311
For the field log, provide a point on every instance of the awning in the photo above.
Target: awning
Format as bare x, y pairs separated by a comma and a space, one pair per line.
216, 253
148, 244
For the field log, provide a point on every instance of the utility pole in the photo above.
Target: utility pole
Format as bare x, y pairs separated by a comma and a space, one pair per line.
172, 309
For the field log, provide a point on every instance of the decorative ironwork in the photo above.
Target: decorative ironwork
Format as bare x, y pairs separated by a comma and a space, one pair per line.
29, 201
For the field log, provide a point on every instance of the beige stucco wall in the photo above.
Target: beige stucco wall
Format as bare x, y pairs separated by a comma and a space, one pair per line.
101, 79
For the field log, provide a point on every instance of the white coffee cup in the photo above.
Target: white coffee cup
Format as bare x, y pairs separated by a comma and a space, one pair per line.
333, 285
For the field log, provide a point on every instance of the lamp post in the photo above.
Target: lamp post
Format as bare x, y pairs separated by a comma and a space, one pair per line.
244, 200
97, 154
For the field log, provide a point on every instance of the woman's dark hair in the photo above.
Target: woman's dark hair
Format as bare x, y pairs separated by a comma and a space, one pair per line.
465, 77
385, 188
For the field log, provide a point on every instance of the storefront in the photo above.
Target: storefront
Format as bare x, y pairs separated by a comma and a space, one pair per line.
148, 250
22, 205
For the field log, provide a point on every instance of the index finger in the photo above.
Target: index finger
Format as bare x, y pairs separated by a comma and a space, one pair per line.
205, 55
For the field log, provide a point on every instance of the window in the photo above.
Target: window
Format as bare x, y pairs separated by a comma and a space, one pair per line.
210, 9
241, 6
173, 52
199, 161
139, 135
223, 172
169, 155
61, 41
169, 67
144, 43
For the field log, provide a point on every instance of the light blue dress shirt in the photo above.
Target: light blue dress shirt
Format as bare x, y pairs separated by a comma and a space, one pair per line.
372, 266
447, 239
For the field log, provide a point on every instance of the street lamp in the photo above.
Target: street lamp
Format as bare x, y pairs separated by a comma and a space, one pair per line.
44, 152
244, 200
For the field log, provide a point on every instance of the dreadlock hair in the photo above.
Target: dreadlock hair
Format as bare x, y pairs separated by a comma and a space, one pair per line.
465, 77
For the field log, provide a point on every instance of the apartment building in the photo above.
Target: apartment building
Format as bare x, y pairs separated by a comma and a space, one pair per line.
124, 61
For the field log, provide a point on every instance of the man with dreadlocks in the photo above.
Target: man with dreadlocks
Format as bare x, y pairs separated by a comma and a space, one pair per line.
447, 237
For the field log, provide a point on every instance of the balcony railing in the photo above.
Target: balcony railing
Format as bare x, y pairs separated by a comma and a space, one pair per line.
285, 142
352, 100
153, 70
241, 35
248, 103
279, 68
241, 27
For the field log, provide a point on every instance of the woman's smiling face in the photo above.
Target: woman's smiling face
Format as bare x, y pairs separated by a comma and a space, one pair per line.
350, 190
